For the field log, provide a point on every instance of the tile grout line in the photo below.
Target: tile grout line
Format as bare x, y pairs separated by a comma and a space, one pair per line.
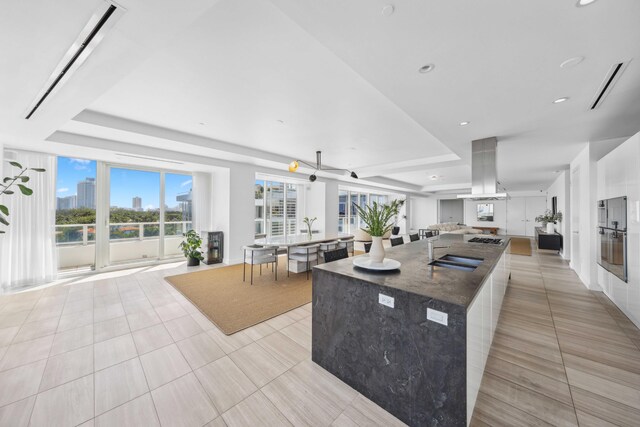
564, 367
46, 363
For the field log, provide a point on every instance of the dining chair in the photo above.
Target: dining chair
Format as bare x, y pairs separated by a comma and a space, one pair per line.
348, 243
336, 254
327, 246
395, 241
258, 255
367, 247
304, 253
414, 237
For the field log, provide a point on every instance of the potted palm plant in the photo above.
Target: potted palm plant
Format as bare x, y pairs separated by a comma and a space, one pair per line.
378, 219
191, 248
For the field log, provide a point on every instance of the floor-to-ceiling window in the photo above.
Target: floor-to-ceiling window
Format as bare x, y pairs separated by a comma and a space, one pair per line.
348, 219
343, 197
276, 208
145, 213
178, 211
76, 213
134, 215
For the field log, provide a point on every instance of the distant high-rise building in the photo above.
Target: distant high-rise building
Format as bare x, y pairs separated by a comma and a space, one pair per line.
136, 203
185, 203
69, 202
87, 193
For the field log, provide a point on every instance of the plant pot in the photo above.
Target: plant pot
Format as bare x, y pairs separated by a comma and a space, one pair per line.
377, 250
550, 228
192, 262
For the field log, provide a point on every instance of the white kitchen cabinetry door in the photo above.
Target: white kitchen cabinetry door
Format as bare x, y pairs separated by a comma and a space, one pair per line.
534, 206
482, 319
516, 219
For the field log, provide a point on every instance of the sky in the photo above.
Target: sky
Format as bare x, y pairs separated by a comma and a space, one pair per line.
125, 183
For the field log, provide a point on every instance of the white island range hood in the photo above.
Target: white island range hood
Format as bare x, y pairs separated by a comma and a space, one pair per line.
484, 183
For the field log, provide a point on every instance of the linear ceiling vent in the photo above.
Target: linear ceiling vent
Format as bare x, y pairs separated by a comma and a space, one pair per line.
155, 159
90, 36
607, 84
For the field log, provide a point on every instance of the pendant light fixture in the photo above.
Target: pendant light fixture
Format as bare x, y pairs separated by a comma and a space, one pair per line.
293, 166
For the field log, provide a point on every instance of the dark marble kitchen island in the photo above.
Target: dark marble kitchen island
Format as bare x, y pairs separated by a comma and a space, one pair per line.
425, 372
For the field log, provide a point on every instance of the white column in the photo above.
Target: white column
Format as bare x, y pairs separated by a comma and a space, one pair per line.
331, 207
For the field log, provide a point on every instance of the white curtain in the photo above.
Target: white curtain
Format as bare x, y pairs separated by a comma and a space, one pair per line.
202, 212
28, 253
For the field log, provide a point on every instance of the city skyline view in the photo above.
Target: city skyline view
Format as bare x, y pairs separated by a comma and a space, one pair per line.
124, 186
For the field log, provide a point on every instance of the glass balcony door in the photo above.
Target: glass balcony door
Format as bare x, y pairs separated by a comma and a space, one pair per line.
135, 212
178, 212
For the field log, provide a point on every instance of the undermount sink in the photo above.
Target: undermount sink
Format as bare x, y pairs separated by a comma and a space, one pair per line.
462, 259
452, 265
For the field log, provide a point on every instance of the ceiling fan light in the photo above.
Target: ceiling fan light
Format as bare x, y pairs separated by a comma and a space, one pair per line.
293, 166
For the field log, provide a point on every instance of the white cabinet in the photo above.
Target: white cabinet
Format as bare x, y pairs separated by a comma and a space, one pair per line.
619, 175
482, 319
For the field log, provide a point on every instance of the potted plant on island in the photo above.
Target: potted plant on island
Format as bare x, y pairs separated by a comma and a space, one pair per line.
378, 219
548, 219
191, 248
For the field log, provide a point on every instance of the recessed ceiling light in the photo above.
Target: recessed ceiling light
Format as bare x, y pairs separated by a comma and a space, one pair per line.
464, 123
426, 68
388, 10
581, 3
559, 100
572, 62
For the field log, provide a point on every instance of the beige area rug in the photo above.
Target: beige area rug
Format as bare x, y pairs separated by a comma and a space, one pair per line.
520, 246
233, 305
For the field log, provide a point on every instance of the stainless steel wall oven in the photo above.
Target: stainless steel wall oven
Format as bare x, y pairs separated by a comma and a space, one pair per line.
612, 230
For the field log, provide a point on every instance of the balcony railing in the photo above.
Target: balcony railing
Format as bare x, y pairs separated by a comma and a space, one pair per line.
85, 234
127, 242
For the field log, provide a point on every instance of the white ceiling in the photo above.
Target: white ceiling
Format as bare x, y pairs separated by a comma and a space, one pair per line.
341, 76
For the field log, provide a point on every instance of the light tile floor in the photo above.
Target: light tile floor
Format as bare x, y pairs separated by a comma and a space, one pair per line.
126, 349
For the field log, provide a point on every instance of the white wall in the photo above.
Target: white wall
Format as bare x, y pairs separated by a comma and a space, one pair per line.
586, 229
499, 214
242, 211
423, 212
312, 205
404, 214
619, 175
331, 207
221, 207
560, 189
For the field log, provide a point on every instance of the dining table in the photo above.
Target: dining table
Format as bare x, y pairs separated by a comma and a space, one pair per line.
300, 239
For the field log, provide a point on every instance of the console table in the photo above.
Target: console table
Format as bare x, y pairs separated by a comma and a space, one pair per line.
551, 241
491, 230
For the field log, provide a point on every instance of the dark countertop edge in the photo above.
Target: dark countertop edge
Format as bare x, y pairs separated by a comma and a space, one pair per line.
504, 247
